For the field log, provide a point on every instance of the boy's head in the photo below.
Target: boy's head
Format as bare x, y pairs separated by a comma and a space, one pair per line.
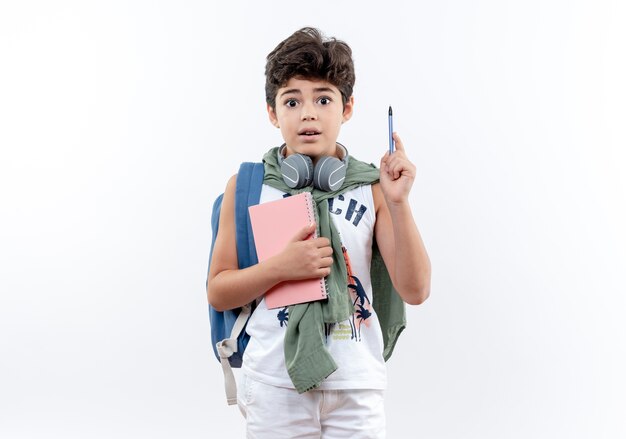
306, 54
308, 90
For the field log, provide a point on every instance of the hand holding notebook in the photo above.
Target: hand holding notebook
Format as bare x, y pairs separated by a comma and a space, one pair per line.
274, 224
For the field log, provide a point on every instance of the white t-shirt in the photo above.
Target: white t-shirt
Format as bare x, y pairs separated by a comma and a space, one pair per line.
356, 344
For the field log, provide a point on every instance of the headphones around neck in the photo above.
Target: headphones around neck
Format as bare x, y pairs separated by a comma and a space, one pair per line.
327, 175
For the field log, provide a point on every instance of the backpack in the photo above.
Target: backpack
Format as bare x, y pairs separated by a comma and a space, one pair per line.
228, 336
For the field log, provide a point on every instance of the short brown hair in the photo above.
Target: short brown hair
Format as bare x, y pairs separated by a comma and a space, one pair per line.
307, 54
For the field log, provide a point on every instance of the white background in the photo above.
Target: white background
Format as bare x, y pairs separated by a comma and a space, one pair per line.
120, 122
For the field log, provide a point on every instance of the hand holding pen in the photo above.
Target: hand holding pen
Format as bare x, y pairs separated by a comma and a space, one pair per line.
397, 173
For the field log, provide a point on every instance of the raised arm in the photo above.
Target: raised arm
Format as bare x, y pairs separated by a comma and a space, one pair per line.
397, 236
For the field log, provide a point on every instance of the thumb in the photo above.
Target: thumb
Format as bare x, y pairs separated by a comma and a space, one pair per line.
304, 233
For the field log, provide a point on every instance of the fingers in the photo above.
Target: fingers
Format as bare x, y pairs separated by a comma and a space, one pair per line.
400, 167
326, 262
323, 246
399, 148
322, 257
304, 233
397, 164
306, 257
323, 272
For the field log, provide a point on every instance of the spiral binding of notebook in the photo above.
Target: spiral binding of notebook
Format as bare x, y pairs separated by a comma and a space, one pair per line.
312, 211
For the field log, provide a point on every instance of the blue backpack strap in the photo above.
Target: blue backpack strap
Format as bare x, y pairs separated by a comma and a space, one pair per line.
247, 193
228, 328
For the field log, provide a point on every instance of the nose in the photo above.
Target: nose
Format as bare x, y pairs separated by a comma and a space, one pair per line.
308, 112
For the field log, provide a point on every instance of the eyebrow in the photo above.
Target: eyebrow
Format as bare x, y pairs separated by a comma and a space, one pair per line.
315, 90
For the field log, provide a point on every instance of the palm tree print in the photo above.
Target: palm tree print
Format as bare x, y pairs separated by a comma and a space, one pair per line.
361, 303
283, 316
359, 291
362, 314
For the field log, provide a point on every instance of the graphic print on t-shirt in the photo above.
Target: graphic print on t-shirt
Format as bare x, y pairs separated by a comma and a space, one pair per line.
351, 212
283, 316
362, 309
356, 343
360, 301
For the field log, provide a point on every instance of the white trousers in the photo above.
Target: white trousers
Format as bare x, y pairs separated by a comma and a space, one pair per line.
276, 412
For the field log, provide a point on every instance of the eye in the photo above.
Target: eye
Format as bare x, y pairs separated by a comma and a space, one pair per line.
291, 103
324, 101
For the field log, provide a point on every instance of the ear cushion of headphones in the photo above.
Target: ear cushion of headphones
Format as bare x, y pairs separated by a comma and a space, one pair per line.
297, 170
330, 173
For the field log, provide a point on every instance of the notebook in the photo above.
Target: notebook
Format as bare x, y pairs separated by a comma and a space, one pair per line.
273, 224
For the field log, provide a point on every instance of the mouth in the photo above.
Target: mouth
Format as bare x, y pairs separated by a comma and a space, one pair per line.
309, 132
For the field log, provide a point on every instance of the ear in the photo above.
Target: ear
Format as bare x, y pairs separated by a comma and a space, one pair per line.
347, 109
272, 114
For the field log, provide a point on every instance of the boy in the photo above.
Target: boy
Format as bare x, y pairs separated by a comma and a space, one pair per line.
318, 369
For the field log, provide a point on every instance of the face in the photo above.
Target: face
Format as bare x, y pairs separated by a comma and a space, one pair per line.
309, 114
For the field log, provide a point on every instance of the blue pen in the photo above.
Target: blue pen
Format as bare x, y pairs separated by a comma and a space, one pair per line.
392, 143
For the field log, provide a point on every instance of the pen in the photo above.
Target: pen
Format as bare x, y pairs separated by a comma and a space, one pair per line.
391, 141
